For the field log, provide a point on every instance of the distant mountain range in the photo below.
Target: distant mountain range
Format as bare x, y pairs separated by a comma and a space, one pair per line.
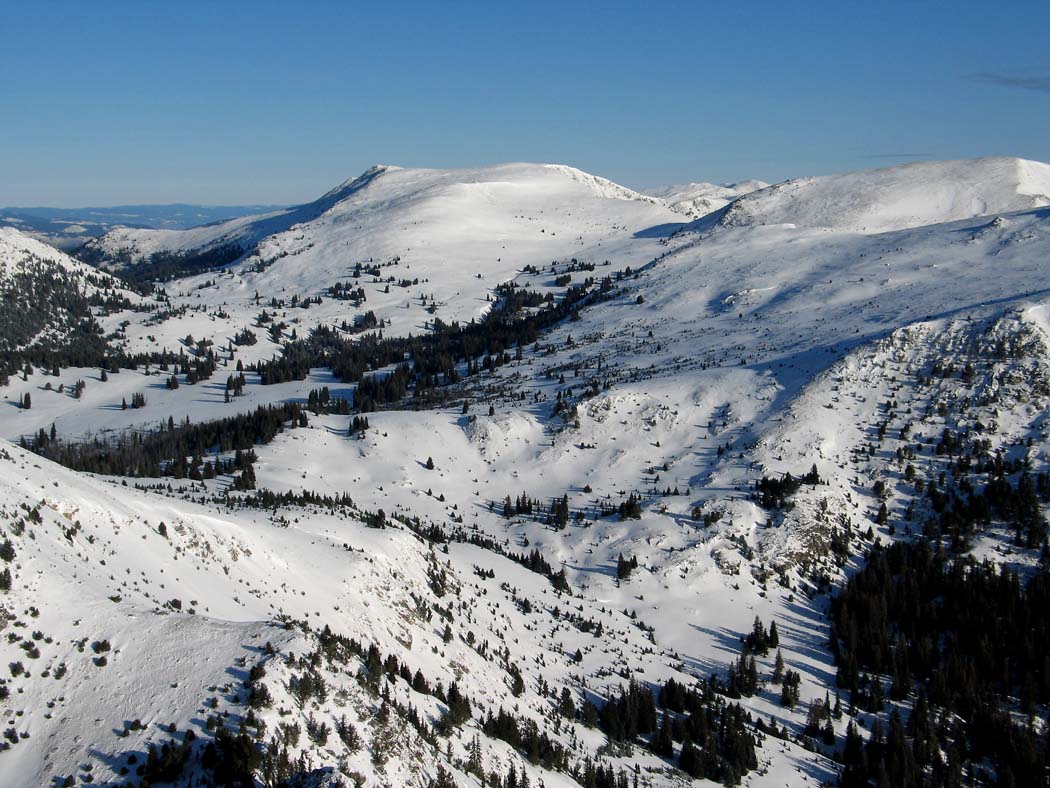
68, 228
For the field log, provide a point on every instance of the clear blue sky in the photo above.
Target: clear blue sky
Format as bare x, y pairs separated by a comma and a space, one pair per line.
224, 102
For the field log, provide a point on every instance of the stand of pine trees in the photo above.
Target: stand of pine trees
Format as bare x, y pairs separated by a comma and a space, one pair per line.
38, 296
716, 736
165, 265
177, 450
773, 493
42, 296
434, 357
967, 642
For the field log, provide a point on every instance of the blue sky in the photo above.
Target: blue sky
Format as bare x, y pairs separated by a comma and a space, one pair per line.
277, 102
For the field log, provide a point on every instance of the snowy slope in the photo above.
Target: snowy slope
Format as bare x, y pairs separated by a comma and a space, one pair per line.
909, 195
451, 228
129, 245
506, 189
47, 297
443, 238
16, 247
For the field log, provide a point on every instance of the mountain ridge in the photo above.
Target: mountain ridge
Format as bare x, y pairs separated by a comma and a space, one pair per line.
899, 197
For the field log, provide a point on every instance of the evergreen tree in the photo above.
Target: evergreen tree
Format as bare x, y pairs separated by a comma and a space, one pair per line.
789, 694
778, 668
567, 706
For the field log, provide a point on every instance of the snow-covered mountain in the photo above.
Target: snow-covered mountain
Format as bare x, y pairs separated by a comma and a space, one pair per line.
567, 481
16, 248
699, 199
895, 198
491, 203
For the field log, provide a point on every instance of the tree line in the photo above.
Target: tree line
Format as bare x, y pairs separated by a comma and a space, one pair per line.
177, 450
